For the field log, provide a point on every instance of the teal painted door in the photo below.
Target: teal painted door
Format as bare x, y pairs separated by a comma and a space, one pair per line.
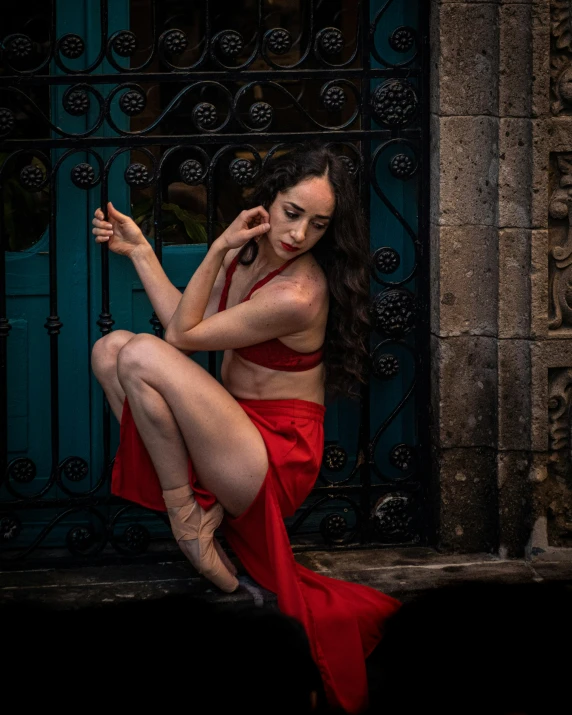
132, 85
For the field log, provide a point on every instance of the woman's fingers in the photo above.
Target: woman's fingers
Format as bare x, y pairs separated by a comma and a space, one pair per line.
113, 213
257, 211
98, 223
256, 231
101, 232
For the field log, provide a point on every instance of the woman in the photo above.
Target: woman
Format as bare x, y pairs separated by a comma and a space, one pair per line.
283, 291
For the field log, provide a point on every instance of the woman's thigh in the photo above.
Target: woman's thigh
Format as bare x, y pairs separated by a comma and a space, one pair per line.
227, 451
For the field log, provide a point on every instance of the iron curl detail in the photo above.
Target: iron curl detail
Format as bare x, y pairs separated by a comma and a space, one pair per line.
10, 527
7, 121
394, 312
335, 457
394, 103
22, 470
71, 46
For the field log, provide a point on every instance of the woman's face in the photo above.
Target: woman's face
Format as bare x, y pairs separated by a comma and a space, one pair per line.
300, 216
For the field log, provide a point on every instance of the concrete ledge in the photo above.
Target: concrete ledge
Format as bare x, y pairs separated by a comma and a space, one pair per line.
402, 573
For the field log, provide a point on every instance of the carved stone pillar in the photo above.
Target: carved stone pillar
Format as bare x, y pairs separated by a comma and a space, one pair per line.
483, 119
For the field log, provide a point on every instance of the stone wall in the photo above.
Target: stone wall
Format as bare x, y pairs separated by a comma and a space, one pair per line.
501, 274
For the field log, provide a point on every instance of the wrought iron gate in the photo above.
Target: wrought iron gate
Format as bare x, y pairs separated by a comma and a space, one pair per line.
172, 118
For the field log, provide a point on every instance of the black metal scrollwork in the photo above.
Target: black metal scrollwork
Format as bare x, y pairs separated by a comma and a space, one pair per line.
175, 42
394, 103
238, 122
191, 172
18, 46
10, 528
83, 175
32, 177
230, 43
394, 519
242, 171
22, 470
333, 528
75, 469
402, 456
334, 98
136, 538
402, 39
394, 312
331, 40
386, 366
402, 166
124, 43
279, 41
335, 458
138, 174
204, 115
386, 259
7, 121
76, 102
71, 46
261, 114
132, 102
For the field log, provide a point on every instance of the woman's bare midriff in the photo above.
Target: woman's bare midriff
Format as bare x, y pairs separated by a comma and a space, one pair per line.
248, 381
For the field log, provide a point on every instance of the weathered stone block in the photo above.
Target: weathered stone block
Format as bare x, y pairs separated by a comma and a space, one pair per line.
540, 75
514, 394
514, 501
466, 171
514, 200
464, 280
539, 284
464, 391
515, 61
468, 59
540, 155
468, 515
514, 283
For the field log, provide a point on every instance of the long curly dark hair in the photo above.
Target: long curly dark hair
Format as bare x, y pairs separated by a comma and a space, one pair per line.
343, 254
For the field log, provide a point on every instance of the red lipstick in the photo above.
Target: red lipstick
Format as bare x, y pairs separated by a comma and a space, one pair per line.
286, 247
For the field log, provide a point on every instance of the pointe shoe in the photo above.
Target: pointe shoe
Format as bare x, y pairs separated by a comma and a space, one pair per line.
192, 522
224, 558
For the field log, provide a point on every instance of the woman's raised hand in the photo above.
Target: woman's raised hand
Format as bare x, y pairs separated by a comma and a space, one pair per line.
120, 232
252, 223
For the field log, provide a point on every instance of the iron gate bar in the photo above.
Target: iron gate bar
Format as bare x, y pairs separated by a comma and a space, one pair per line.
208, 139
251, 76
83, 541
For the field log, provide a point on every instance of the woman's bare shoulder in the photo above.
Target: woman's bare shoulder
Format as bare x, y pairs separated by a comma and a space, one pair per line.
309, 276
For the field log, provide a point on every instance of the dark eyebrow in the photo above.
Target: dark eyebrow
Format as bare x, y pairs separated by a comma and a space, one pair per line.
302, 211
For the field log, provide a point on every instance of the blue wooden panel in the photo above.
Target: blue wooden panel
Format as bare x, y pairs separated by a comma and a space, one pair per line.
18, 397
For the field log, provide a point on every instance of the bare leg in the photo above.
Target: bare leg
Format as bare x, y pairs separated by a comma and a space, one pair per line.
104, 366
226, 449
104, 363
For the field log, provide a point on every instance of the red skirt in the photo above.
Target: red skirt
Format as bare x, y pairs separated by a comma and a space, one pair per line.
343, 620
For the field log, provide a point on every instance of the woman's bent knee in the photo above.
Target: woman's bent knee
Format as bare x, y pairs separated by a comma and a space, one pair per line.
136, 355
106, 350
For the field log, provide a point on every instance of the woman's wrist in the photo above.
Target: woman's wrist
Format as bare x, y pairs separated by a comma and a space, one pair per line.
219, 247
142, 251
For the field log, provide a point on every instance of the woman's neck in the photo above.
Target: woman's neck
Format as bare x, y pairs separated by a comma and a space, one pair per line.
267, 259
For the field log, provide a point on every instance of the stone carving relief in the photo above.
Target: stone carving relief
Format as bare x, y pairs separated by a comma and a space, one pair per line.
561, 59
559, 405
556, 492
560, 247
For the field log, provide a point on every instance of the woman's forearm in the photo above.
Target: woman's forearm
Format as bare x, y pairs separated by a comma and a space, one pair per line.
192, 306
161, 292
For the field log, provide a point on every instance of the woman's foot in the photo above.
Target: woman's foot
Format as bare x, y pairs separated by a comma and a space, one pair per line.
194, 528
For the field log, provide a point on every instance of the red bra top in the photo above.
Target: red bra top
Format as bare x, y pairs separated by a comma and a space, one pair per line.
271, 353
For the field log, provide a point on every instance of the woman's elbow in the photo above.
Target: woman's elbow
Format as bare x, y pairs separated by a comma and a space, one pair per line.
176, 340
